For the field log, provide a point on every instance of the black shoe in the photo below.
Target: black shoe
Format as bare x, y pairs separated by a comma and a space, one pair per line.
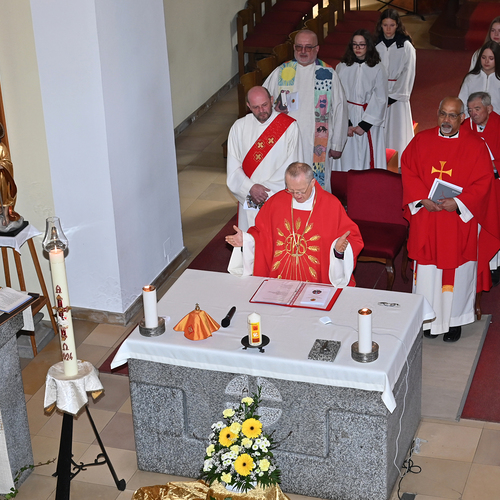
495, 277
428, 335
453, 334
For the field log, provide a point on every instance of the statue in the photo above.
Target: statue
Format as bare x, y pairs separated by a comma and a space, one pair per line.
9, 218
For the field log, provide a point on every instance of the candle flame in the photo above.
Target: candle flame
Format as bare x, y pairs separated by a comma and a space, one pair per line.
149, 288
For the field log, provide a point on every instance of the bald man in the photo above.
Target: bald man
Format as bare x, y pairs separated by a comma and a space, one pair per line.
443, 238
260, 147
310, 91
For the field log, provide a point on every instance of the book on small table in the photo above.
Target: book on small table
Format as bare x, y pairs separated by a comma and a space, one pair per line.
11, 299
296, 294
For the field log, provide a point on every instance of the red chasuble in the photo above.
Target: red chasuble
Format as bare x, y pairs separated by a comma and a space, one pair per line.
295, 245
441, 238
490, 134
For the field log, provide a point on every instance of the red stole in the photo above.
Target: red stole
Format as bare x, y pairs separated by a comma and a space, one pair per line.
265, 143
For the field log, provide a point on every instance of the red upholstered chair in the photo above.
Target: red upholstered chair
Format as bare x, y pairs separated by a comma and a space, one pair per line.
338, 184
253, 40
374, 203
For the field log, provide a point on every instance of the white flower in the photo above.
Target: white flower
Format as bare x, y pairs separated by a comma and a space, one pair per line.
207, 465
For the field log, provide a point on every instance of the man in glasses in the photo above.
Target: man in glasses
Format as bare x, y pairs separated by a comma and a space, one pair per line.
310, 91
259, 148
302, 233
443, 238
484, 122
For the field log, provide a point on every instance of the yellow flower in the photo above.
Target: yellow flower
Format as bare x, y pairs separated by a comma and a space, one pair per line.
226, 437
210, 450
235, 448
264, 464
247, 401
235, 427
247, 443
226, 477
251, 428
243, 465
228, 413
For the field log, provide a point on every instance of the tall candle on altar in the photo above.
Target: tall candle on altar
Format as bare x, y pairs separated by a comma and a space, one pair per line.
55, 243
365, 330
150, 306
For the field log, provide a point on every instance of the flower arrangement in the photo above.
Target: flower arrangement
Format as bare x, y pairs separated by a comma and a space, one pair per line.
240, 454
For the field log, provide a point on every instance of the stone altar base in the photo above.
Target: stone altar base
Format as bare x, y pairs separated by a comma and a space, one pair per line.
342, 444
13, 402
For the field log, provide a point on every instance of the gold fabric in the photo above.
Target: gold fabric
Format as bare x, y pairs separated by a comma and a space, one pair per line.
198, 490
197, 325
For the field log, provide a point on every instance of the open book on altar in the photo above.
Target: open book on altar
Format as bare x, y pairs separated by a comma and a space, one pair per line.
442, 189
296, 294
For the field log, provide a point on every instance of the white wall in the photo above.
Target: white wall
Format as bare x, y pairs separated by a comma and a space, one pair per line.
201, 37
99, 69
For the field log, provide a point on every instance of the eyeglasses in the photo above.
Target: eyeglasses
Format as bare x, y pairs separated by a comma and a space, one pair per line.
301, 192
358, 45
452, 116
307, 48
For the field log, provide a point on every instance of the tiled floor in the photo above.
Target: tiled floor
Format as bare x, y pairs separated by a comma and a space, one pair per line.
458, 460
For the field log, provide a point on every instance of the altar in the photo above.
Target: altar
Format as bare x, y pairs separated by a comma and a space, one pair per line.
342, 425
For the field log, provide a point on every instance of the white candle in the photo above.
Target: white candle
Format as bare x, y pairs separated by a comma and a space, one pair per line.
365, 330
254, 333
63, 312
150, 306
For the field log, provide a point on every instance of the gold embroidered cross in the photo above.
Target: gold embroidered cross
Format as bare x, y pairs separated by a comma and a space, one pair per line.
260, 144
258, 156
442, 171
270, 140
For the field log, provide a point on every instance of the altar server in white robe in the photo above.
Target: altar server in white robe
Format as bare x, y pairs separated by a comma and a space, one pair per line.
260, 147
309, 90
485, 76
399, 58
365, 83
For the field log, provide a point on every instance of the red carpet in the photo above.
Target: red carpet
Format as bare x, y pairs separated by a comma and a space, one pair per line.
439, 74
479, 23
483, 400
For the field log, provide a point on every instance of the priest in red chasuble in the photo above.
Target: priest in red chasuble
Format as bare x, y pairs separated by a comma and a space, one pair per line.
451, 260
301, 233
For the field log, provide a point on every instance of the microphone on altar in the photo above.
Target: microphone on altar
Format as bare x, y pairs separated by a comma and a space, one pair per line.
229, 316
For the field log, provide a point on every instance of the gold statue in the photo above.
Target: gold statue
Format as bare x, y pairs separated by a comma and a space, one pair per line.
9, 218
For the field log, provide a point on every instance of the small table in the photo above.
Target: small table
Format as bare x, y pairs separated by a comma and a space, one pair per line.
15, 243
69, 395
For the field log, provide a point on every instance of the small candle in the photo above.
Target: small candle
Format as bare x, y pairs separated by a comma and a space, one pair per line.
150, 306
254, 334
365, 330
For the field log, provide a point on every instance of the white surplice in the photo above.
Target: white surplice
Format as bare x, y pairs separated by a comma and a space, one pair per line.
271, 170
400, 66
481, 83
364, 85
305, 114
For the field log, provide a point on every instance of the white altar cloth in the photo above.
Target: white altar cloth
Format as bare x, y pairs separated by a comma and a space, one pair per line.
292, 332
69, 393
16, 242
